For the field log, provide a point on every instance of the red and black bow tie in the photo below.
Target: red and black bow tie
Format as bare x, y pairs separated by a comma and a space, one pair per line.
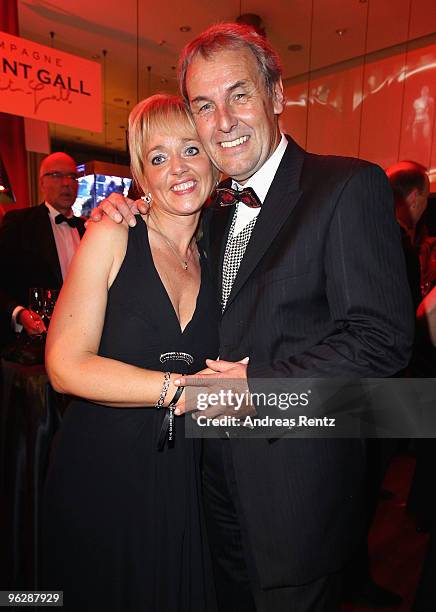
228, 196
72, 221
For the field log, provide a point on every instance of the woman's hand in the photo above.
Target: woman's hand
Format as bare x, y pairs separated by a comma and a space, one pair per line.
117, 207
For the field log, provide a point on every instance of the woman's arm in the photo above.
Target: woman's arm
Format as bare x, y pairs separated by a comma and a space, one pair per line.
72, 362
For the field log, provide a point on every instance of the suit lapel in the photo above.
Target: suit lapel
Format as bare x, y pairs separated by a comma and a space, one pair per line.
47, 244
280, 201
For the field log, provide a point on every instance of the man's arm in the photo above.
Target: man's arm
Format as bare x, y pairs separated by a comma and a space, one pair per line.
367, 292
366, 288
14, 314
10, 256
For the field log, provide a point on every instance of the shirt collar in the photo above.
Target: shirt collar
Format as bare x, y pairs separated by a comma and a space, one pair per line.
53, 212
262, 179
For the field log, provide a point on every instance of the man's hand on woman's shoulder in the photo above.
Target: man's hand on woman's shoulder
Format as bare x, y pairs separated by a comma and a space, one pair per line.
117, 207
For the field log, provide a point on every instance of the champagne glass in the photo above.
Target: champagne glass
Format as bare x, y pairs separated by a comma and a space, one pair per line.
50, 297
36, 300
36, 304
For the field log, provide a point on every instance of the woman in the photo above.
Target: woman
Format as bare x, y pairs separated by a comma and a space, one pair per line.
123, 527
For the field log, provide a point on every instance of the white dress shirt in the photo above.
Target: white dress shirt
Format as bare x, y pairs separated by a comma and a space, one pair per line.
67, 240
260, 182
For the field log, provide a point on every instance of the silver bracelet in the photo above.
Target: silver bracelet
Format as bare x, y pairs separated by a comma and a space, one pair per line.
165, 387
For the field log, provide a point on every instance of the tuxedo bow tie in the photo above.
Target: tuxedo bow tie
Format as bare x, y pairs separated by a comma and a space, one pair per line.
229, 196
72, 221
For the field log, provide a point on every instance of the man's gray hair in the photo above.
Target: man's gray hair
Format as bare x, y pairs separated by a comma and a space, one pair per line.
231, 37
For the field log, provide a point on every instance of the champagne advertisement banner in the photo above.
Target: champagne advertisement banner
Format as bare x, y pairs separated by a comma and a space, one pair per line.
46, 84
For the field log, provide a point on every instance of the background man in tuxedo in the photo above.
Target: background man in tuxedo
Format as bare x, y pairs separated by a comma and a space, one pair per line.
38, 243
410, 184
312, 284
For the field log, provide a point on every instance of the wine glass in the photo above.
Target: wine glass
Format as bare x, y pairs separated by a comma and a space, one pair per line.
50, 297
36, 300
36, 304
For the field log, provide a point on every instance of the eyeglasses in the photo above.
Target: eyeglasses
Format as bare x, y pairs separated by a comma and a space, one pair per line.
58, 176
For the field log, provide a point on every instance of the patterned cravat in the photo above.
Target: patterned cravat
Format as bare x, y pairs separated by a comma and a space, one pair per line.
233, 255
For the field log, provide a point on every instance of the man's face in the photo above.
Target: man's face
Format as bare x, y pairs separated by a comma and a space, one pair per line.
59, 190
421, 201
235, 117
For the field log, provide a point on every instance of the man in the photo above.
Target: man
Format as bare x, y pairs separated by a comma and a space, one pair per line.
411, 186
37, 245
312, 284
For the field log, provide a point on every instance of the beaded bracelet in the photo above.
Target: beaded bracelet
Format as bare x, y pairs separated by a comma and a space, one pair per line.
165, 387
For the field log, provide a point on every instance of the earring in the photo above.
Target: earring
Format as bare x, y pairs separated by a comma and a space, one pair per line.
147, 198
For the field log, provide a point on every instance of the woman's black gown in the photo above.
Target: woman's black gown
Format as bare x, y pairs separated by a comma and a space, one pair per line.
123, 528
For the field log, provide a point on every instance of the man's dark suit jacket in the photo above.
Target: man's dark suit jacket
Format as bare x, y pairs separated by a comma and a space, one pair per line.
29, 259
321, 292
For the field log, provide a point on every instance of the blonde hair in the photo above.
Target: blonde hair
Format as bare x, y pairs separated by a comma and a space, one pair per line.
157, 113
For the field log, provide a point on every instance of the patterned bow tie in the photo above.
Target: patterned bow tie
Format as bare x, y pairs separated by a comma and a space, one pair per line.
229, 196
72, 221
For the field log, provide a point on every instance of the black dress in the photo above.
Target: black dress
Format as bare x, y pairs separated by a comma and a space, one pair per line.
123, 525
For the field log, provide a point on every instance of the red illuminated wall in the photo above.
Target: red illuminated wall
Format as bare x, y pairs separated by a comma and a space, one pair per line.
12, 145
381, 109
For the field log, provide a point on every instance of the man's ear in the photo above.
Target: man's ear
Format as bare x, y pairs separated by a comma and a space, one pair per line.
278, 97
411, 198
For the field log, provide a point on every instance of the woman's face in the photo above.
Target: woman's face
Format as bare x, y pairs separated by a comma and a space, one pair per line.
177, 171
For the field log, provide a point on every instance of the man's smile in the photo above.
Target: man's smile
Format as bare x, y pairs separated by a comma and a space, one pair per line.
228, 144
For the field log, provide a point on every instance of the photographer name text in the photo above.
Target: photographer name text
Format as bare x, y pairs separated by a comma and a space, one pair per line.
267, 421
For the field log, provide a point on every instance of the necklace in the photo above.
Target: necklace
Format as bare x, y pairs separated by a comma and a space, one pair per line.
172, 246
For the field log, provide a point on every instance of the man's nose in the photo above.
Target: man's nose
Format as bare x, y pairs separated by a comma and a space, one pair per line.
226, 120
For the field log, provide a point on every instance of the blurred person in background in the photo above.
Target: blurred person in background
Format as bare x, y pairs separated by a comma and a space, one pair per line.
37, 245
410, 184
